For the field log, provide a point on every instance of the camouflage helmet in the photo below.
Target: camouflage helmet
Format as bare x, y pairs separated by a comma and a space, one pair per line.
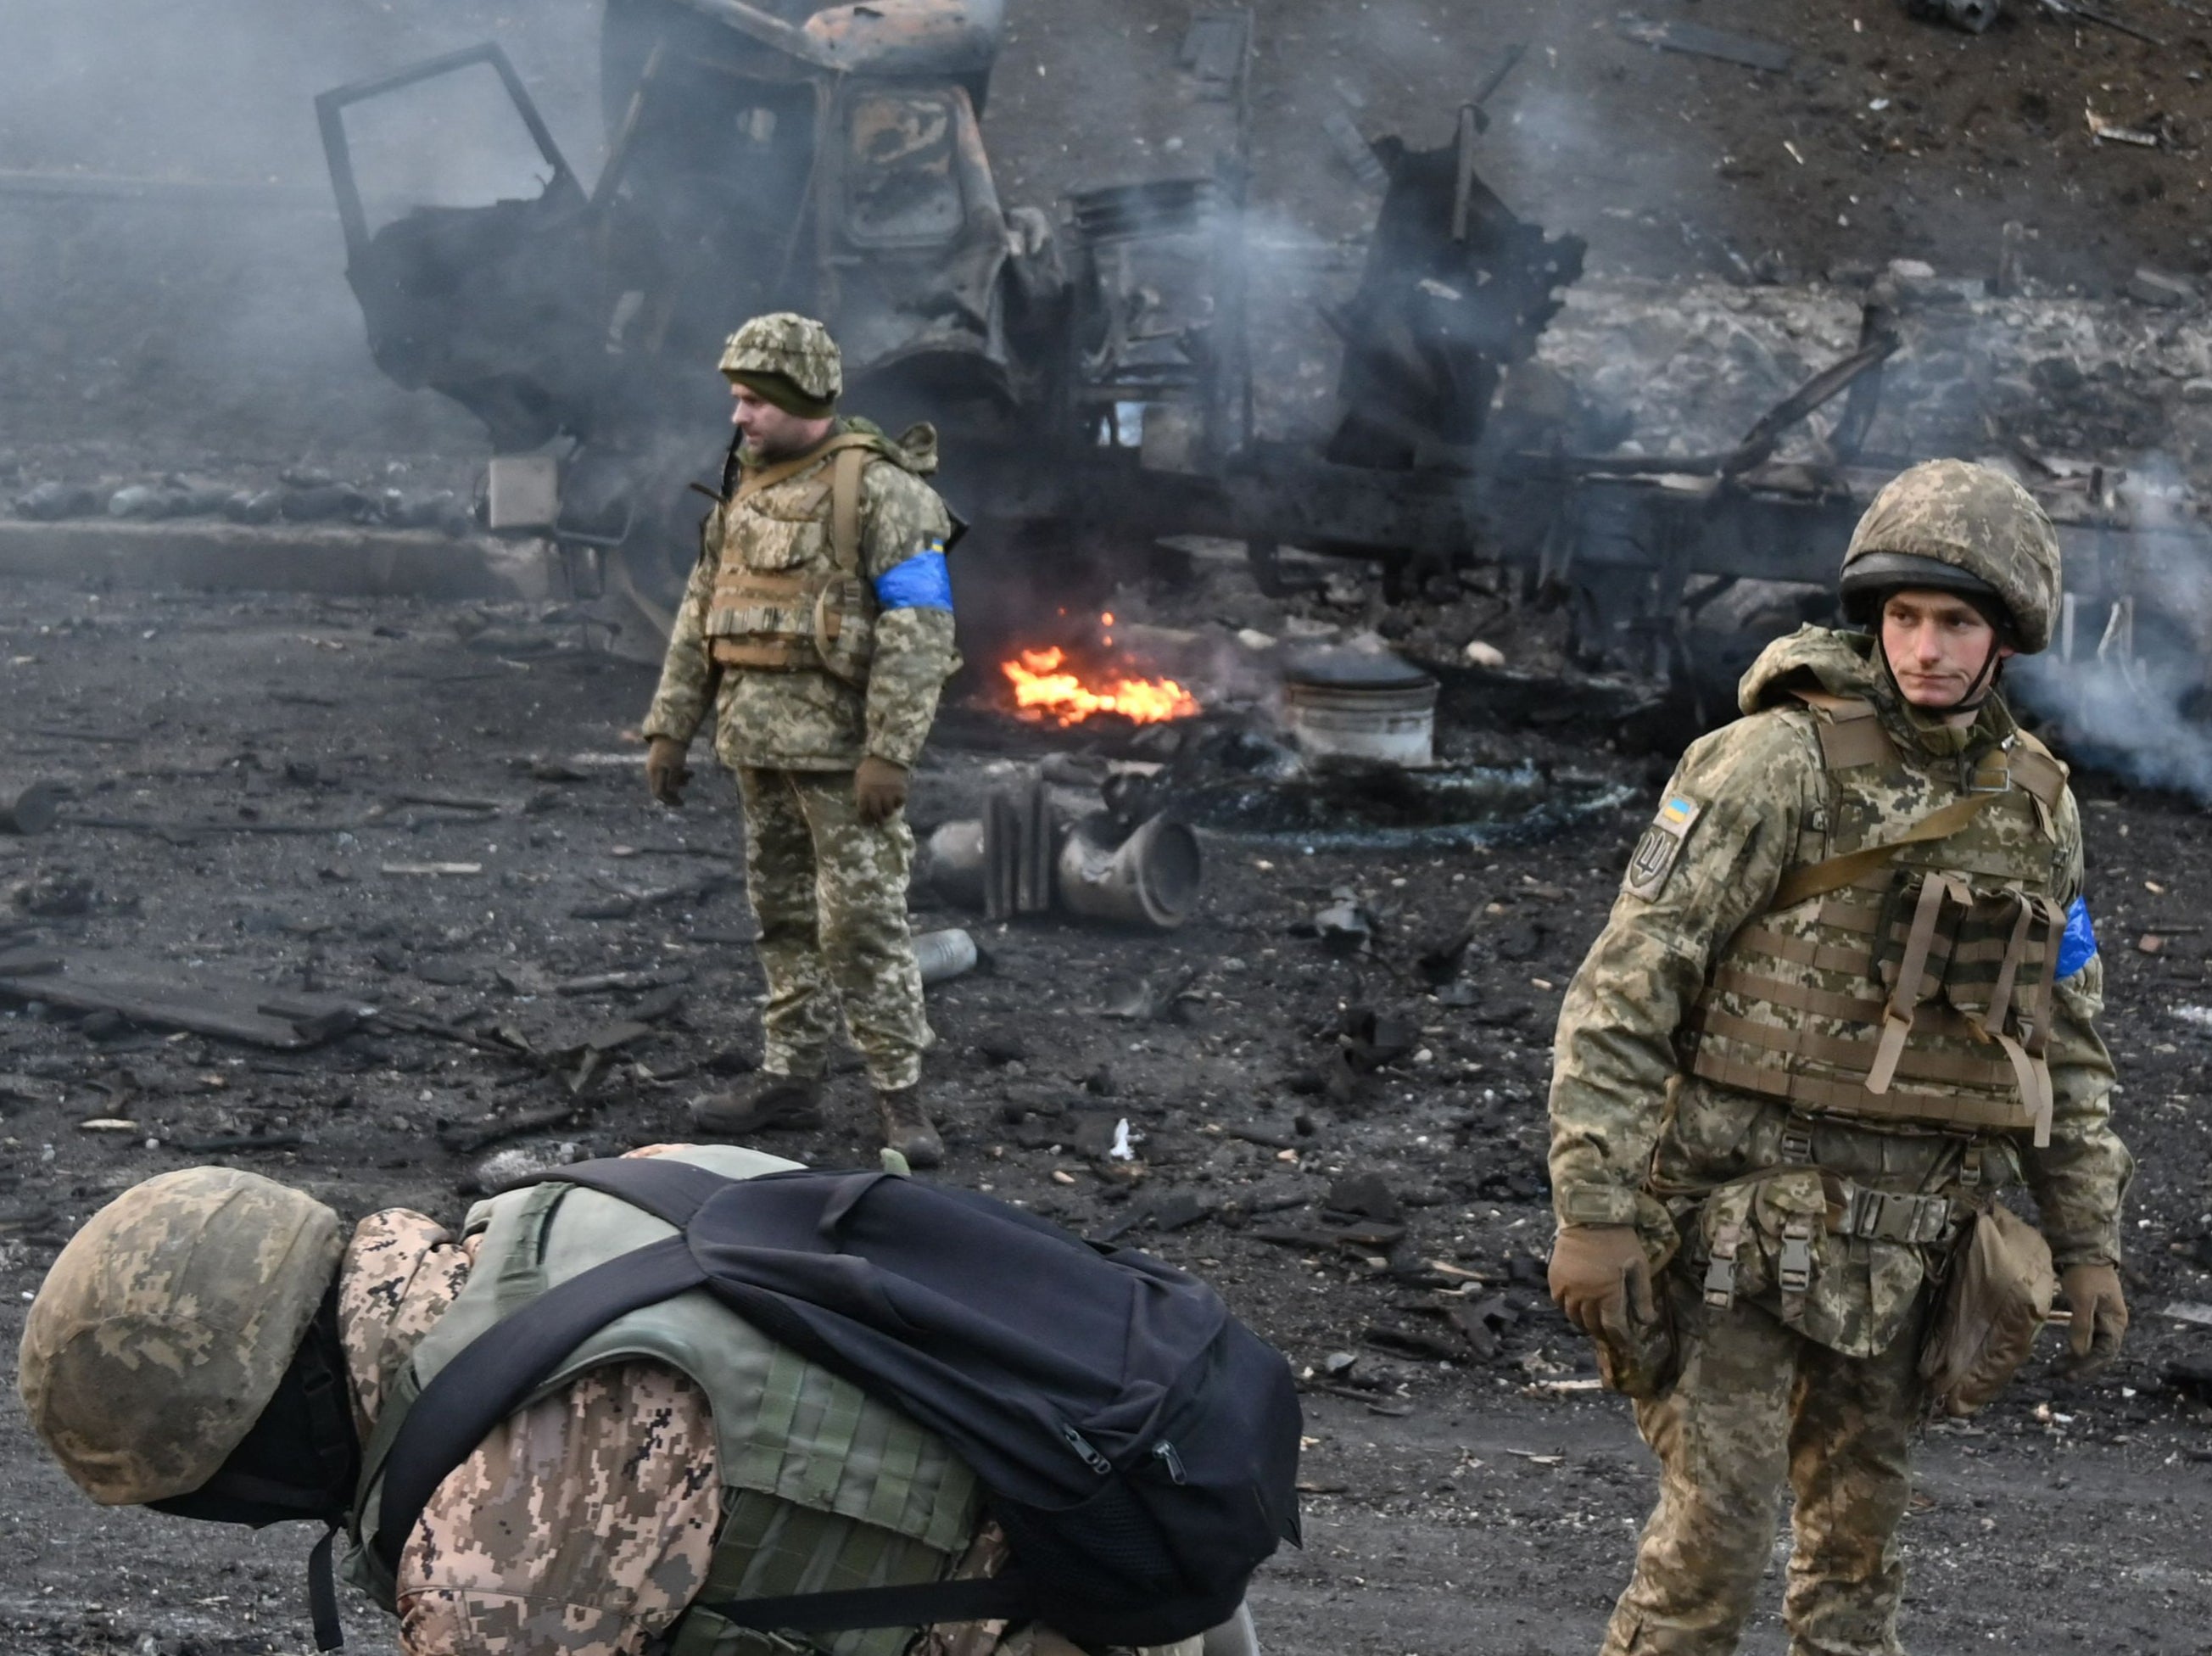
1951, 525
164, 1328
788, 359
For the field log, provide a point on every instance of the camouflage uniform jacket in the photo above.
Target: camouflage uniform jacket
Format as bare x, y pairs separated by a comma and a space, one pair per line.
1628, 1127
811, 720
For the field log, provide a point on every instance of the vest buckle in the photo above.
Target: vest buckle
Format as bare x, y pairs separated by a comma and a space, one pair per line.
1720, 1274
1988, 773
1794, 1270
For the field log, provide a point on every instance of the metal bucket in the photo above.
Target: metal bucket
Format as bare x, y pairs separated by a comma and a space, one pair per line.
1392, 722
1150, 878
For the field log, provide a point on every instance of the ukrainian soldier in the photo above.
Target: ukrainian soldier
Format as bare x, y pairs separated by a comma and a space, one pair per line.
211, 1344
817, 629
1847, 993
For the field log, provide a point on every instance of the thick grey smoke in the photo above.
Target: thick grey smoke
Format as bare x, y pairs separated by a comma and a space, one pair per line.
2129, 696
172, 276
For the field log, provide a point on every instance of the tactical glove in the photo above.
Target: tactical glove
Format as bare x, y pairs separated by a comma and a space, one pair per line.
665, 771
1601, 1280
2100, 1316
879, 789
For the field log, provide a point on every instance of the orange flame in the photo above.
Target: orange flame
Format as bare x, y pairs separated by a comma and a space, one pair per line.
1044, 688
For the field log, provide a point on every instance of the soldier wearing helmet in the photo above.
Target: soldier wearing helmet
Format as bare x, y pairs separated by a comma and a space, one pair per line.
1847, 995
211, 1344
817, 632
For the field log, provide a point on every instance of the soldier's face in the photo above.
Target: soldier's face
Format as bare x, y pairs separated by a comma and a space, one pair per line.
1938, 647
770, 432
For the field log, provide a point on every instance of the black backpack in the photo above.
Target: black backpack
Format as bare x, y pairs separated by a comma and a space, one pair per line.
1137, 1444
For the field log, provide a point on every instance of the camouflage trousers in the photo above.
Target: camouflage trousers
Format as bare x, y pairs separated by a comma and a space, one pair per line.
1757, 1405
829, 891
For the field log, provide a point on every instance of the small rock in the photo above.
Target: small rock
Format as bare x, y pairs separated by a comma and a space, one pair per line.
2196, 391
1179, 1209
1368, 1195
252, 506
50, 502
2150, 287
1480, 653
503, 1169
140, 502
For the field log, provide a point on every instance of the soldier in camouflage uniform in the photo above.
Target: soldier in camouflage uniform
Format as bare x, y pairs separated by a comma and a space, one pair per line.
211, 1345
817, 629
1849, 991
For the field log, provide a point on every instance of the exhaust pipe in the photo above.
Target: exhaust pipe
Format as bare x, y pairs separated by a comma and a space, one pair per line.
1150, 878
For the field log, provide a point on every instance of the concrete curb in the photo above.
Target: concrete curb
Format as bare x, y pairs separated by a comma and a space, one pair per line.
340, 562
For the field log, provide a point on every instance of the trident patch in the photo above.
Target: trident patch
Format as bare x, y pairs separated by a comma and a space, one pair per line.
1661, 848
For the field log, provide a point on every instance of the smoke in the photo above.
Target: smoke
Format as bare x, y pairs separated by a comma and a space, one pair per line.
2125, 683
172, 276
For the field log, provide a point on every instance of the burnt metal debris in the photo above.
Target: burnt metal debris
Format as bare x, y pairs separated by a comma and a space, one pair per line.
1092, 376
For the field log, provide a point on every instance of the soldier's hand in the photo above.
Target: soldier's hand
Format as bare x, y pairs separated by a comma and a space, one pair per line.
665, 771
2100, 1317
1601, 1280
880, 788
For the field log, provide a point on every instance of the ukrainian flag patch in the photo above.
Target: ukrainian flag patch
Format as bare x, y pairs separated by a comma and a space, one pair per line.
1661, 848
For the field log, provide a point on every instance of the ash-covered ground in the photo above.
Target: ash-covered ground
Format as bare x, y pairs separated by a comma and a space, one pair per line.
1344, 1132
1347, 1137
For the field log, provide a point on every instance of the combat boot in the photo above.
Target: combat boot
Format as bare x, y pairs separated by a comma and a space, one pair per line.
766, 1104
906, 1126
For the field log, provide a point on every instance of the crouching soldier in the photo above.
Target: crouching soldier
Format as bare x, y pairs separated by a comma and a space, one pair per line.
213, 1346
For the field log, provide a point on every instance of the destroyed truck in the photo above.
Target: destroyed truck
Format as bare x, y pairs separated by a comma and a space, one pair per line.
751, 164
1093, 374
1095, 377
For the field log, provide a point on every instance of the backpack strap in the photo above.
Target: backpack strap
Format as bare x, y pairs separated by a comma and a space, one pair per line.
1006, 1596
492, 1376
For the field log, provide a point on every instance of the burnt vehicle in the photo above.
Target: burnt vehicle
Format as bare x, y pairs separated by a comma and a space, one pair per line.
1093, 377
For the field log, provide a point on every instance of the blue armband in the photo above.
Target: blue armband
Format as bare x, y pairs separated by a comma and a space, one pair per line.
2077, 945
922, 583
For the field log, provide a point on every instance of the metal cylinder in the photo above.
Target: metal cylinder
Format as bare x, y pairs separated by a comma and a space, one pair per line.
1150, 878
943, 954
1394, 723
28, 809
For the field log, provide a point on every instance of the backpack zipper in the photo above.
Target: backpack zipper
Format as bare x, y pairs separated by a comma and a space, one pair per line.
1096, 1462
1164, 1453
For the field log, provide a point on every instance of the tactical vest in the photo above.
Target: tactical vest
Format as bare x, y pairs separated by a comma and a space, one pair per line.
1905, 971
823, 1487
789, 594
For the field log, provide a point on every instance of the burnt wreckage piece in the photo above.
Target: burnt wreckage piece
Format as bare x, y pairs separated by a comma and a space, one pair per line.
1456, 289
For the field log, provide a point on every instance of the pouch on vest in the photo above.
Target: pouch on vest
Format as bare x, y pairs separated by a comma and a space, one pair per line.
1768, 1238
1998, 1297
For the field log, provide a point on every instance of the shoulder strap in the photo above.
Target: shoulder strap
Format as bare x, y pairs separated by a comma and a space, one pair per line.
783, 470
845, 509
2039, 770
1832, 874
1850, 733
